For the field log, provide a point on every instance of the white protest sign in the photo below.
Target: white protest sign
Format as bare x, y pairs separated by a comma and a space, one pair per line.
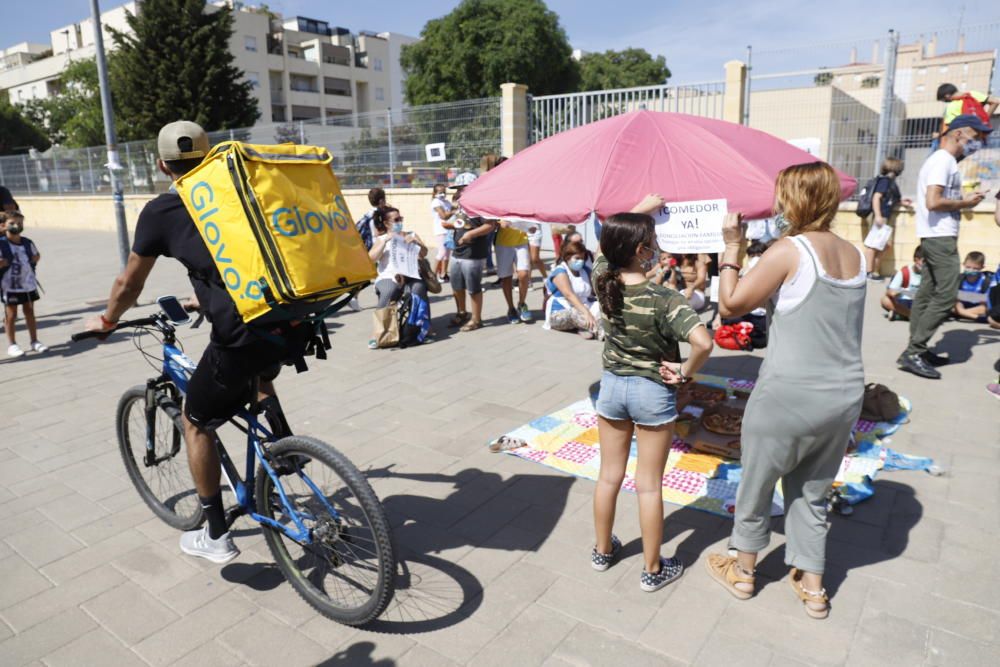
404, 257
691, 226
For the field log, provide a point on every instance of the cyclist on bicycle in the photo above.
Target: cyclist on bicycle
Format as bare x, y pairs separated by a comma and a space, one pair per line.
236, 354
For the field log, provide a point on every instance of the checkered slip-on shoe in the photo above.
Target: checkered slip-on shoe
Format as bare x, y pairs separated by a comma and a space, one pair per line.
670, 569
601, 562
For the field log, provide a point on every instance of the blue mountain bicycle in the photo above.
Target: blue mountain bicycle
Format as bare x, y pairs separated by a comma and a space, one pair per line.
321, 519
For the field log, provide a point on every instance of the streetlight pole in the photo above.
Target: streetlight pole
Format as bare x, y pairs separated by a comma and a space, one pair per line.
885, 121
109, 134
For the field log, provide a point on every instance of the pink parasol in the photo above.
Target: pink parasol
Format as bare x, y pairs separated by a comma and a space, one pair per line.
608, 166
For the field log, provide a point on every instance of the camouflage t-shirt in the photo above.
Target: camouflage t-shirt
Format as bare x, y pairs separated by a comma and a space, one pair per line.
654, 318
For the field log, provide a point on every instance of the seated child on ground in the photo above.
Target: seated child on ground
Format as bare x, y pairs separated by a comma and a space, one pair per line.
898, 298
971, 303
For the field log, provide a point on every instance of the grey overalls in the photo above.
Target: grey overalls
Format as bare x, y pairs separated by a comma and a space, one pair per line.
799, 418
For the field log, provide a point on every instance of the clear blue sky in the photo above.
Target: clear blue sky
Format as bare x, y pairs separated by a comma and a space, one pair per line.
696, 37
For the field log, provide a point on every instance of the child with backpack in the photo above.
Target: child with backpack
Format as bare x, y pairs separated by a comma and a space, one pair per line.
898, 298
18, 284
972, 102
879, 198
973, 291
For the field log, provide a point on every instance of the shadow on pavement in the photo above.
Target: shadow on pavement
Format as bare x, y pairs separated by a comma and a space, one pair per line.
879, 530
359, 654
432, 592
958, 343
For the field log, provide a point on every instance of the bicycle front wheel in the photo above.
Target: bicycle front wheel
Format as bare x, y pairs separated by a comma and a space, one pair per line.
161, 477
347, 570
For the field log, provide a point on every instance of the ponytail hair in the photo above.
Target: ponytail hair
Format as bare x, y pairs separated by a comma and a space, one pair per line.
621, 234
379, 218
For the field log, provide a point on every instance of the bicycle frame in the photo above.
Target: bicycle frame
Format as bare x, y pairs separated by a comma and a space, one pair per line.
177, 369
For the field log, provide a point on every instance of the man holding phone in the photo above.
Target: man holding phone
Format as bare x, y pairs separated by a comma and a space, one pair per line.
234, 357
939, 203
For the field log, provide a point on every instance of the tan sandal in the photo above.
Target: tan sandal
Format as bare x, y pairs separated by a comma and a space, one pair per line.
726, 571
809, 597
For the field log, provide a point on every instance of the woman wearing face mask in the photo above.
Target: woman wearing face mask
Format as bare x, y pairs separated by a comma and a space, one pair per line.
644, 323
395, 253
808, 395
884, 202
572, 305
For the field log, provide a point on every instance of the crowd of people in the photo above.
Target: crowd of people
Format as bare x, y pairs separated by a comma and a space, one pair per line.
806, 286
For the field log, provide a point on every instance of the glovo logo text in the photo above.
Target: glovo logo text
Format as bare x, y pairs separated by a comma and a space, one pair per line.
202, 197
293, 221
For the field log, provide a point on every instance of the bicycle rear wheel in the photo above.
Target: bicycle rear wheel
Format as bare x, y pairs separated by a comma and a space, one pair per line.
166, 485
347, 572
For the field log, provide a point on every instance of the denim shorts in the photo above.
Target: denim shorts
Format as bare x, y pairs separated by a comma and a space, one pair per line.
643, 401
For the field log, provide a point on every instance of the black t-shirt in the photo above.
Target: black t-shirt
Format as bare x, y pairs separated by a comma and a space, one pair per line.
6, 198
890, 194
166, 229
478, 248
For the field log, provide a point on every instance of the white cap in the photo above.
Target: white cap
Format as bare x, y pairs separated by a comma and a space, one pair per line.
463, 179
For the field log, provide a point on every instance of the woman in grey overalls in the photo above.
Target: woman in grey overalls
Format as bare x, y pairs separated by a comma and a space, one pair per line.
808, 397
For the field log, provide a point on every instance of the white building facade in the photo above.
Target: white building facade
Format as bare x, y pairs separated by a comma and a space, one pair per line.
300, 68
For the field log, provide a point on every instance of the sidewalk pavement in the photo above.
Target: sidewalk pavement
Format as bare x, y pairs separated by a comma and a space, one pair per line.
496, 548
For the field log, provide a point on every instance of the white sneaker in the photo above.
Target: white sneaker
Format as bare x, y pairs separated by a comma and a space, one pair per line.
355, 306
15, 351
38, 347
198, 543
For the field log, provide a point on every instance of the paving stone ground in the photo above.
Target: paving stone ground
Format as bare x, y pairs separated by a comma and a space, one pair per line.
496, 548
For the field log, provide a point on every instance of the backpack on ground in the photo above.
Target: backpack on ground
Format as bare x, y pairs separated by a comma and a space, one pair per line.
414, 319
880, 404
278, 228
865, 196
973, 107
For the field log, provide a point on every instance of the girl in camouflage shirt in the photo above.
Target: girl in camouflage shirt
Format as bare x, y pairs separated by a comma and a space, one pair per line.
643, 322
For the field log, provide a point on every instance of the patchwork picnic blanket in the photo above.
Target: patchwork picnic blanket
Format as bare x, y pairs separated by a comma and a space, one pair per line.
567, 440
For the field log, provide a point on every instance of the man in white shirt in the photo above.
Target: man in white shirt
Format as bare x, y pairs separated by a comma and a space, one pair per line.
939, 201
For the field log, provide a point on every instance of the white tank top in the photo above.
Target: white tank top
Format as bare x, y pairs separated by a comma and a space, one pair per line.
795, 290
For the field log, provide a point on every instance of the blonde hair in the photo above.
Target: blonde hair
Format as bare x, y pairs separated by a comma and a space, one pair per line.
893, 164
808, 195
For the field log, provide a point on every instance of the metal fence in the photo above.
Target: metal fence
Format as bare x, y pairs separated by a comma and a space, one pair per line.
551, 114
855, 102
388, 148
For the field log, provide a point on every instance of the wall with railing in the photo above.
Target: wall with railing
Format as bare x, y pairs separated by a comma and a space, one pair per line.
386, 148
850, 103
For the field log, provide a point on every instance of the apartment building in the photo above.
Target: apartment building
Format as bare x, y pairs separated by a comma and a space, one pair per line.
300, 68
920, 69
31, 71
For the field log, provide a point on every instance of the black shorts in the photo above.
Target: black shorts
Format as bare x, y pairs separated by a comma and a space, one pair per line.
19, 298
220, 386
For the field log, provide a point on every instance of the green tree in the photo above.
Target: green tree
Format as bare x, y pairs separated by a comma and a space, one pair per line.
18, 133
484, 43
73, 117
622, 69
176, 64
823, 79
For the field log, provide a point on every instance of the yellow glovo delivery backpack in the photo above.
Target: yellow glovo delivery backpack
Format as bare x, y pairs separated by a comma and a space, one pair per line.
278, 227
